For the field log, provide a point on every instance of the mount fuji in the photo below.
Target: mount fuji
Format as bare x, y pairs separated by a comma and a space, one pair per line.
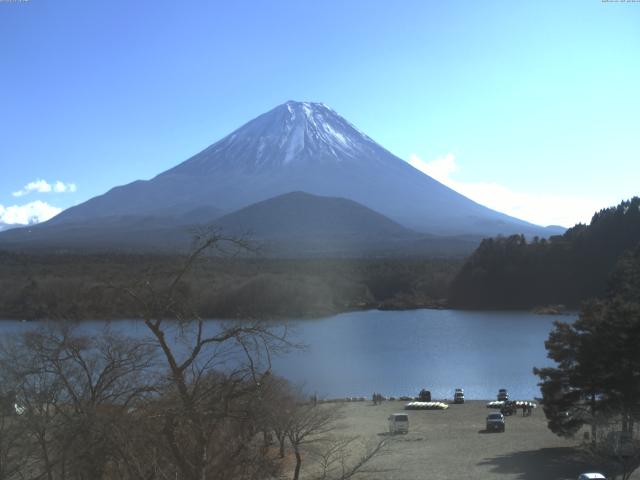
295, 147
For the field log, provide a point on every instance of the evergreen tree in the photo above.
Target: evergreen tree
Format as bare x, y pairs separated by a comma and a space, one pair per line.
596, 380
509, 272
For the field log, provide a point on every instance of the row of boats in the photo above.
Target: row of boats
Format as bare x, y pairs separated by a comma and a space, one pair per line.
517, 403
426, 406
498, 404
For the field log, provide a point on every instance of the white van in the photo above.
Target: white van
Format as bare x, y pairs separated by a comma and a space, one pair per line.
398, 423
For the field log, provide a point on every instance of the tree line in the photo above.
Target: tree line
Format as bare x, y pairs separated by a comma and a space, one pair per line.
76, 285
512, 272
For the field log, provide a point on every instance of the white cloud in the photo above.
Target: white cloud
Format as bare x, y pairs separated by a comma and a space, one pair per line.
538, 208
60, 187
42, 186
33, 212
441, 168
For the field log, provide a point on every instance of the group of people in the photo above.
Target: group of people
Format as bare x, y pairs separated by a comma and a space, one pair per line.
377, 398
511, 408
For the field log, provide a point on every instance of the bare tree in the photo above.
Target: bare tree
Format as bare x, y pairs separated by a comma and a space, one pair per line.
308, 424
12, 437
214, 373
72, 390
311, 430
278, 403
335, 459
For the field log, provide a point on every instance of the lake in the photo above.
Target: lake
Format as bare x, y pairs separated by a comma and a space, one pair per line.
400, 352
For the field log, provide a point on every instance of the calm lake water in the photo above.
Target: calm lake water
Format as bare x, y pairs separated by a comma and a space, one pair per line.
400, 352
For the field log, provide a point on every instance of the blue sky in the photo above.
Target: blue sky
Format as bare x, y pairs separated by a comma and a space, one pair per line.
528, 107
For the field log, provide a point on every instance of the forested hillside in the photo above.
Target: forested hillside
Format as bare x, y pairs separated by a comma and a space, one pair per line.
511, 272
91, 286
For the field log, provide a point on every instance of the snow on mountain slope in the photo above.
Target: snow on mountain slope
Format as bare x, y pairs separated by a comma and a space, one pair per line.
302, 146
295, 132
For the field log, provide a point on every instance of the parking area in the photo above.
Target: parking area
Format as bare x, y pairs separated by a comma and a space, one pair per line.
454, 444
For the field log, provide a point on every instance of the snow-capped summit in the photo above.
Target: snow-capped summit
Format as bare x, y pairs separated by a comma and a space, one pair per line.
294, 132
306, 147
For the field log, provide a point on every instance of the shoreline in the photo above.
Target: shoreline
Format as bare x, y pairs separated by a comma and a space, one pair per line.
312, 315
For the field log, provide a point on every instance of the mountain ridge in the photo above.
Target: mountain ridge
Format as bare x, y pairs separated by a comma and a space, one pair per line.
295, 224
299, 146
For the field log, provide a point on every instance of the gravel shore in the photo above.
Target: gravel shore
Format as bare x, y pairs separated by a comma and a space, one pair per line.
453, 444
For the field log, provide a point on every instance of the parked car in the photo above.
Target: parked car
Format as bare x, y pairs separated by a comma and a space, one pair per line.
424, 395
503, 395
592, 476
495, 421
458, 396
509, 408
398, 423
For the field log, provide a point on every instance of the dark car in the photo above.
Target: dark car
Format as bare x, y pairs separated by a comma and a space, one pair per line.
503, 395
458, 396
424, 395
495, 422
